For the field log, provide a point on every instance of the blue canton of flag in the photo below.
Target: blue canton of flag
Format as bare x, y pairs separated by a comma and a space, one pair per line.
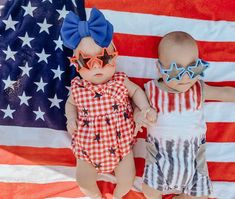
34, 68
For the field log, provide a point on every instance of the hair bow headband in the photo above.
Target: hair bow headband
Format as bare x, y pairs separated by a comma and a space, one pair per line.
97, 27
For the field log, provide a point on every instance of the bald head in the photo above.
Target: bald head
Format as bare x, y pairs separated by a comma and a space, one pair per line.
177, 44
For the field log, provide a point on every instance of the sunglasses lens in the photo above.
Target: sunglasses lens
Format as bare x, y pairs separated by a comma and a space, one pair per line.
199, 68
106, 57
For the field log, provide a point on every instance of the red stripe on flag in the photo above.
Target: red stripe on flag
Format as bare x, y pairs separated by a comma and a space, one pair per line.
196, 9
146, 46
58, 189
222, 171
15, 155
227, 83
61, 189
39, 191
220, 132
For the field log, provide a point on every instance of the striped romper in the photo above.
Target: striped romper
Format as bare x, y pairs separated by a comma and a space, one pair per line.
175, 161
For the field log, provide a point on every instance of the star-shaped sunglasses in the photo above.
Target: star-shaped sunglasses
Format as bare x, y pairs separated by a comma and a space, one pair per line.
176, 72
88, 61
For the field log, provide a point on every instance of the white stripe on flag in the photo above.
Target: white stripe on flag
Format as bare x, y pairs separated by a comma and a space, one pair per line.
44, 137
220, 152
36, 137
219, 111
137, 66
146, 68
158, 25
43, 174
224, 190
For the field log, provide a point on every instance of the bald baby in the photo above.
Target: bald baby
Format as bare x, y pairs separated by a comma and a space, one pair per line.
179, 47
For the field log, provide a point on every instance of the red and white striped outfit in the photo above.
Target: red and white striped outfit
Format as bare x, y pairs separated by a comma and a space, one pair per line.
105, 122
175, 160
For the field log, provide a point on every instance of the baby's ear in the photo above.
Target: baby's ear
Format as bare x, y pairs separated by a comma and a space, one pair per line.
157, 64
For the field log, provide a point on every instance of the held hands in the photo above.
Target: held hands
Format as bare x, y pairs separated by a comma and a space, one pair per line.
144, 118
71, 125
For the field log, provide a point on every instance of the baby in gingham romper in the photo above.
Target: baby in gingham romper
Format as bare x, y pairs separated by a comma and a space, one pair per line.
99, 113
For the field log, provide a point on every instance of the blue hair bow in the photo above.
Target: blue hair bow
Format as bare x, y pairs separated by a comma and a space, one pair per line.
97, 27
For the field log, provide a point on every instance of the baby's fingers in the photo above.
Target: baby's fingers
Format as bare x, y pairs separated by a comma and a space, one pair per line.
146, 123
151, 115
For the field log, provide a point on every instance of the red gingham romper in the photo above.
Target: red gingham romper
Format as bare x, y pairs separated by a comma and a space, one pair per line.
105, 122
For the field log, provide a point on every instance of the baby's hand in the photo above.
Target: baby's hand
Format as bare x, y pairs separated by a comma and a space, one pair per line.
71, 125
151, 115
140, 118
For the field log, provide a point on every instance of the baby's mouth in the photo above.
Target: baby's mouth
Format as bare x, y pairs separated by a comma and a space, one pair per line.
98, 74
183, 84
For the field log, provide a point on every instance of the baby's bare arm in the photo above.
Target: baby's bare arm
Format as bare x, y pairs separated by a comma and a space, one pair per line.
70, 108
137, 94
71, 115
225, 94
139, 98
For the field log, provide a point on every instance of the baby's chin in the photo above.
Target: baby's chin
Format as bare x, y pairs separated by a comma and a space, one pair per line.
183, 88
99, 80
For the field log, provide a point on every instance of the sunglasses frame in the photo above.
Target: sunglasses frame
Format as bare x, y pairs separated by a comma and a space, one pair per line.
183, 70
75, 60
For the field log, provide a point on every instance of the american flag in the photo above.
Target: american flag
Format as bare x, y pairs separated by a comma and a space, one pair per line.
34, 84
36, 159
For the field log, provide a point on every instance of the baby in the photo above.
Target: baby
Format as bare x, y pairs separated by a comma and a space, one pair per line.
175, 161
99, 113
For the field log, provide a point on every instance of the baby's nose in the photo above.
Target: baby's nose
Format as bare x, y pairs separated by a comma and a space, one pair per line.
185, 76
96, 63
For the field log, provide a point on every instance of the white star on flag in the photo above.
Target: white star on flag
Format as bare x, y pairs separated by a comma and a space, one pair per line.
25, 69
39, 114
57, 73
40, 85
62, 13
10, 24
24, 99
43, 56
8, 83
8, 112
55, 101
58, 43
28, 9
44, 26
10, 53
26, 40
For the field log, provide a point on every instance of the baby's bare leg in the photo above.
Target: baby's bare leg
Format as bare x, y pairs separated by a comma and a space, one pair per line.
125, 175
86, 177
151, 193
183, 196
